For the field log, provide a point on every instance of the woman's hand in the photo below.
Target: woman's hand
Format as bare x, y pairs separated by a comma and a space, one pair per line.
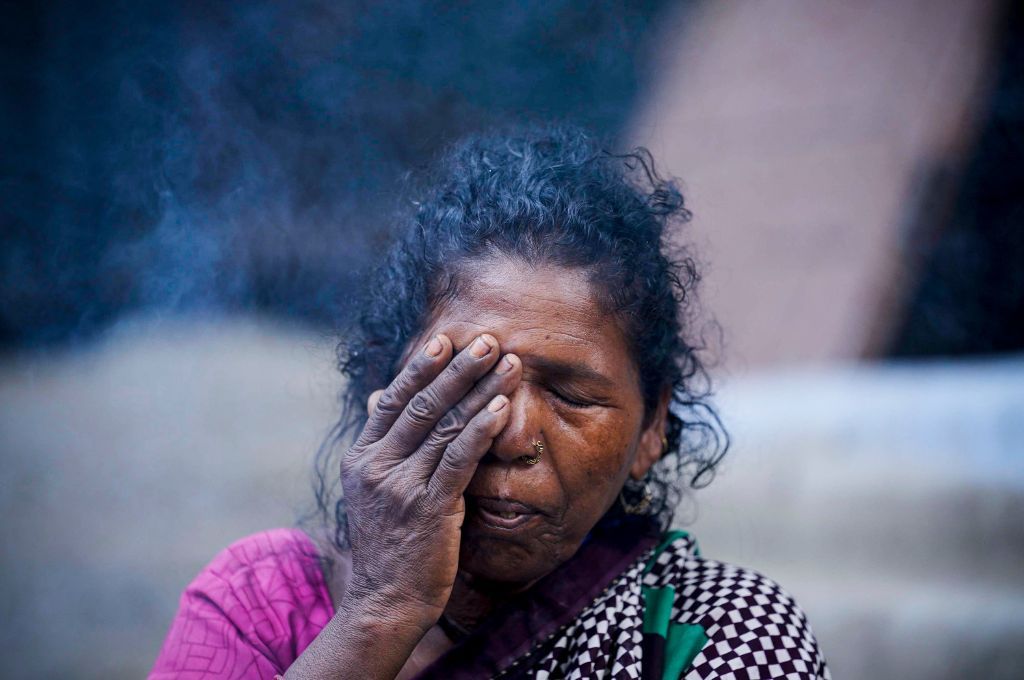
404, 477
403, 481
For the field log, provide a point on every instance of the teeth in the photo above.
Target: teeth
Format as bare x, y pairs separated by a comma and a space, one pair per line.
508, 515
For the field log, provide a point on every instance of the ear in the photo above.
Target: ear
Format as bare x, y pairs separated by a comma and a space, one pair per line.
651, 439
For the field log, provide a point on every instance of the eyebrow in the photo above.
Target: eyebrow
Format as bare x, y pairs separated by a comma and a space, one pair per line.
572, 369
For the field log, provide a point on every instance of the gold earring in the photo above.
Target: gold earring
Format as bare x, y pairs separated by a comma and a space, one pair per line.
538, 448
644, 492
641, 506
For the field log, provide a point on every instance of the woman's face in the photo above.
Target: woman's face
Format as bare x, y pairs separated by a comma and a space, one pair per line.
579, 396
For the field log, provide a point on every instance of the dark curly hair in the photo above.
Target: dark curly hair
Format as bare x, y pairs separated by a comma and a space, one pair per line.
544, 194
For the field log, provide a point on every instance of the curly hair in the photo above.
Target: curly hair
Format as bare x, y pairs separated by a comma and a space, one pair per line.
553, 195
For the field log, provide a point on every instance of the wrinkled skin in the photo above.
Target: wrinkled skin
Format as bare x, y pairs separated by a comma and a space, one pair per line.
405, 475
433, 450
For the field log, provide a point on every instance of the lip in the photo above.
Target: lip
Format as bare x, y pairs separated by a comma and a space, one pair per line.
494, 512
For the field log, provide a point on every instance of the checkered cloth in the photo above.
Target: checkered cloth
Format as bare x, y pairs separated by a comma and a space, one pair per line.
753, 628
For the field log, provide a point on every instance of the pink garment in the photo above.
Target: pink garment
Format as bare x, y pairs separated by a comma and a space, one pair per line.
250, 613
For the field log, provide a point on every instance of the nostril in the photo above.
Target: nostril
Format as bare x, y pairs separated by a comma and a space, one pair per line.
538, 451
523, 434
514, 450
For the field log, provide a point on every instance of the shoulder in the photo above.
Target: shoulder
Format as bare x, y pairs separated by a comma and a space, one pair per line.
747, 619
258, 604
276, 571
277, 554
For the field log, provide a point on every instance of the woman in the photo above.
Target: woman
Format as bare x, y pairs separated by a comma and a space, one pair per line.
524, 402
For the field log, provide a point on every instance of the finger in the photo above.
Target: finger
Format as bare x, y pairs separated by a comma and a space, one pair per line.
461, 457
424, 366
503, 379
371, 403
433, 401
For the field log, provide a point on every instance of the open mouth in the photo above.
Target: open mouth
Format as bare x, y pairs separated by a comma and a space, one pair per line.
502, 514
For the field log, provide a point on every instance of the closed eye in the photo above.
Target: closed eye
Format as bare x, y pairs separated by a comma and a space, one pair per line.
571, 401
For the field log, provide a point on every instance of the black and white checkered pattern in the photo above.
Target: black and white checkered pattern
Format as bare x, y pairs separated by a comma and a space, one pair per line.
755, 630
604, 640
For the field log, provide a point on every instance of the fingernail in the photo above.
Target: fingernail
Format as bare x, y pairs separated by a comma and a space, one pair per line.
498, 403
505, 366
433, 347
480, 348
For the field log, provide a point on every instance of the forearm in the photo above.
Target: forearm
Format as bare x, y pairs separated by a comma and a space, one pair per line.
359, 642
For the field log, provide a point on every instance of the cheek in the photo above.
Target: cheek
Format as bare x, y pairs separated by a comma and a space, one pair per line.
600, 456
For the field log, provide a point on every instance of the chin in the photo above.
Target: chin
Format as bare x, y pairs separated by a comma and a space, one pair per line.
506, 560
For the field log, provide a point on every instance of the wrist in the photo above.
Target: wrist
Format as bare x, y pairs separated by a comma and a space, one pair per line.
392, 597
377, 611
362, 640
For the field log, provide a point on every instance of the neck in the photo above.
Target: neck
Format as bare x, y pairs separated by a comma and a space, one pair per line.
473, 599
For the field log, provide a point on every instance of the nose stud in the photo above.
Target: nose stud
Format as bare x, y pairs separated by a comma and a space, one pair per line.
538, 449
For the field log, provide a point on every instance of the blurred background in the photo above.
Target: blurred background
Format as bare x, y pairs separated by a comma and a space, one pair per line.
190, 192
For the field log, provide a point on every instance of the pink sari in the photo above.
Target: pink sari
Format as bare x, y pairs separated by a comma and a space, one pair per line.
250, 613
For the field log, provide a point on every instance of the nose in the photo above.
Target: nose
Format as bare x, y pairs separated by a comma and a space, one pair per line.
523, 428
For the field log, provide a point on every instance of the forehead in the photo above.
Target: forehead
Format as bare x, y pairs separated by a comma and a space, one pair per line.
543, 311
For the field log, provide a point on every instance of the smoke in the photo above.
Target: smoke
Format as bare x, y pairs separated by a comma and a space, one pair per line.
239, 157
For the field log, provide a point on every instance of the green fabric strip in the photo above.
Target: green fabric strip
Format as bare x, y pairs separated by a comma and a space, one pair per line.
658, 610
685, 640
